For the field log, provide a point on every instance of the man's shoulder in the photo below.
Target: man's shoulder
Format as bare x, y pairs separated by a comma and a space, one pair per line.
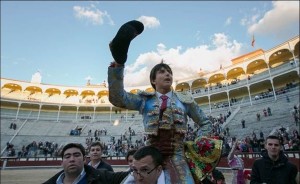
104, 165
103, 162
259, 161
53, 179
145, 93
90, 170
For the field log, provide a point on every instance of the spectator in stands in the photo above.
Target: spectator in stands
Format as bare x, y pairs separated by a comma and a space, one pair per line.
13, 126
274, 166
129, 157
261, 135
75, 171
228, 113
282, 130
295, 141
165, 112
236, 164
255, 145
253, 134
90, 133
95, 153
265, 112
295, 134
269, 111
11, 152
243, 123
287, 99
147, 167
295, 113
258, 116
261, 144
286, 144
227, 131
8, 145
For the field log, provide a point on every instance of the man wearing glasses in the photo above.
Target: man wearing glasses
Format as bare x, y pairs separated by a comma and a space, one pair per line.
147, 167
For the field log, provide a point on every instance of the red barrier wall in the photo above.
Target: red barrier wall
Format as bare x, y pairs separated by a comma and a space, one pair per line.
248, 158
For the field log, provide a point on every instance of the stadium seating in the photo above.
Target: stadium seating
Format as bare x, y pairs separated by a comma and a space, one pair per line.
42, 116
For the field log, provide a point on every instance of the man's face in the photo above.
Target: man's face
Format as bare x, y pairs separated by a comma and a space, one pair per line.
73, 161
273, 147
163, 80
142, 167
95, 153
130, 161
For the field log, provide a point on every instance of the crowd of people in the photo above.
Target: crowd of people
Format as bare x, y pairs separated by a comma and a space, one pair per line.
146, 165
119, 146
280, 91
35, 149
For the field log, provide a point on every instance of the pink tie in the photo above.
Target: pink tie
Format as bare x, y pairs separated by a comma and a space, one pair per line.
164, 102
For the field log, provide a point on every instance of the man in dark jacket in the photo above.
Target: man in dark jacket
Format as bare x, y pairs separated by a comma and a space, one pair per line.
76, 172
97, 162
273, 167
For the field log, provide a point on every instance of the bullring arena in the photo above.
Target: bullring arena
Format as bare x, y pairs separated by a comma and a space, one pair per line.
38, 119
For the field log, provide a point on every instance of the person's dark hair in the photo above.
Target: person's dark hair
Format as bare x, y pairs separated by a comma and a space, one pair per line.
130, 152
217, 175
273, 137
73, 145
156, 68
149, 150
96, 144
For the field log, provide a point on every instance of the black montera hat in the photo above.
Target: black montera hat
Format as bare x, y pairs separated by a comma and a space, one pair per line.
120, 44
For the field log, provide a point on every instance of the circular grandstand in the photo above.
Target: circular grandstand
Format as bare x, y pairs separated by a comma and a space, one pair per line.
62, 114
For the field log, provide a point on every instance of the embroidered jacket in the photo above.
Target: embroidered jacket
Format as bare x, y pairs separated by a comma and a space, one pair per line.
182, 106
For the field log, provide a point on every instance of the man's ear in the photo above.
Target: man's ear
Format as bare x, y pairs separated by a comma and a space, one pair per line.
84, 158
160, 168
153, 82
